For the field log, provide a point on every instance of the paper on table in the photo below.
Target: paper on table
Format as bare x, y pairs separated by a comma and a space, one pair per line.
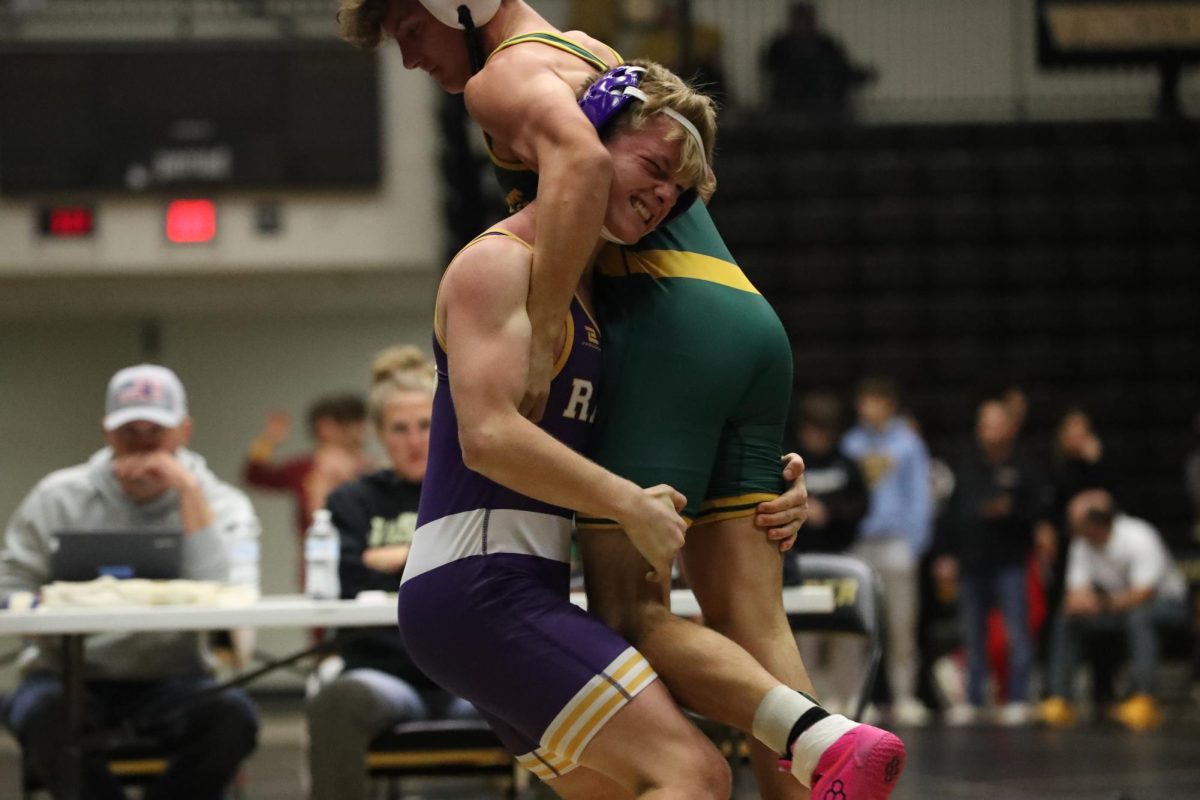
110, 592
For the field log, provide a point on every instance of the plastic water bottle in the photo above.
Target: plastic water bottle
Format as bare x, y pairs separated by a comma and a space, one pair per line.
321, 552
243, 559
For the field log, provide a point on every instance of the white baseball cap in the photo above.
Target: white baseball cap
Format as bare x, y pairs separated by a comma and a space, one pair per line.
147, 393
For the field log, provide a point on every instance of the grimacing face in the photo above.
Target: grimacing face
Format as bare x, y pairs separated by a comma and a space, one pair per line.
428, 45
646, 181
404, 432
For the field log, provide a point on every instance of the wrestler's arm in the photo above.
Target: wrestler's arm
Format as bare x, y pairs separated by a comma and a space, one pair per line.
520, 101
487, 345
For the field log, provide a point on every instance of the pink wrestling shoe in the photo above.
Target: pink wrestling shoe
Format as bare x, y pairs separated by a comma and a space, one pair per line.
864, 764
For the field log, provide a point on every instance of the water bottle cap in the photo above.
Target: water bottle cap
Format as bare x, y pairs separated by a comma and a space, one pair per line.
322, 515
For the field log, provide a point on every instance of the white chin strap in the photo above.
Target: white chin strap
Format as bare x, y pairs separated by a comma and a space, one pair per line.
607, 236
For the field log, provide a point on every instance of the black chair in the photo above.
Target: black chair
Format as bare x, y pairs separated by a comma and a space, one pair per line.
858, 606
441, 748
133, 760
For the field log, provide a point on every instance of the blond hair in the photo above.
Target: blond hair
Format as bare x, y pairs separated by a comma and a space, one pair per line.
360, 22
402, 368
664, 89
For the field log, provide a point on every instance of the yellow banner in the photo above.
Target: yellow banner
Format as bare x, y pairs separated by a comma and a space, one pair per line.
1124, 26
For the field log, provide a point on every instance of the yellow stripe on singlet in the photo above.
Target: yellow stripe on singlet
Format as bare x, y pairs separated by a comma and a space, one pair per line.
726, 503
618, 262
589, 700
559, 42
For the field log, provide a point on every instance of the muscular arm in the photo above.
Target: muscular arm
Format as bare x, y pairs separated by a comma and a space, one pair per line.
487, 339
487, 344
522, 102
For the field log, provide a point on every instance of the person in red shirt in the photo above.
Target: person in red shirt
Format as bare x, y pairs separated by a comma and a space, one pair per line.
337, 424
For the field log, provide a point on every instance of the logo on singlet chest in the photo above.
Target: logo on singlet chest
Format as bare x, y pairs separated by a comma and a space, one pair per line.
580, 405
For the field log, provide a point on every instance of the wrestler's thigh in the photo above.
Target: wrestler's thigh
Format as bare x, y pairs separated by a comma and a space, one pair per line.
736, 573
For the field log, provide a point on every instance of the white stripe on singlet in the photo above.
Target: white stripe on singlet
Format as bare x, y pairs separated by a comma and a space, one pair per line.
488, 531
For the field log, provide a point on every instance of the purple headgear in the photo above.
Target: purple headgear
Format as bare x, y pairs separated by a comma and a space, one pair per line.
611, 93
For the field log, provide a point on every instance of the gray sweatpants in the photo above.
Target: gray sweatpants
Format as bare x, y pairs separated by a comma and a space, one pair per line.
347, 714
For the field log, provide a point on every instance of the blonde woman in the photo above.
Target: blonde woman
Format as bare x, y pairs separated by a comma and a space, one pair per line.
375, 516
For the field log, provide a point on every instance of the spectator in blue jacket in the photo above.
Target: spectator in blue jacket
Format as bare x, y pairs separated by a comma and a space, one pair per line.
896, 530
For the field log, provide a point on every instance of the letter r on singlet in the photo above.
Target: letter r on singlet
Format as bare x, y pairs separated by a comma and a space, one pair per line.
579, 406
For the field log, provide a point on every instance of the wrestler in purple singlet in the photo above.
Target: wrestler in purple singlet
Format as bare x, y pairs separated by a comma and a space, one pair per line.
484, 607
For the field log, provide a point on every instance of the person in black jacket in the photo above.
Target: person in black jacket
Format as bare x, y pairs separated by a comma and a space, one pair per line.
837, 502
837, 492
376, 516
808, 71
986, 534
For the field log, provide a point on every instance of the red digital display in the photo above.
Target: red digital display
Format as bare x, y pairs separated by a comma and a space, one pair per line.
191, 221
67, 222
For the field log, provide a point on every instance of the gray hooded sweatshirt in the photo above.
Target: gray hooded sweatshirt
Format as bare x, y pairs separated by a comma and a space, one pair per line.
88, 497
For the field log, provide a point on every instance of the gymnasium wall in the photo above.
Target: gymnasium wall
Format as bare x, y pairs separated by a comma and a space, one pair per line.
938, 60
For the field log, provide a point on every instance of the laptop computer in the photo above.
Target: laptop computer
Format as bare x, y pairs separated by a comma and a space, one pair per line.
86, 555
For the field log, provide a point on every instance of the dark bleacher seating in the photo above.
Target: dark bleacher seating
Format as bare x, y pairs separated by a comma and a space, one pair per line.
962, 314
1118, 357
1105, 217
891, 220
832, 222
1065, 255
1109, 312
1099, 169
818, 268
957, 266
895, 268
889, 173
811, 175
957, 361
964, 218
1109, 265
957, 172
820, 364
894, 315
1032, 265
1029, 169
810, 316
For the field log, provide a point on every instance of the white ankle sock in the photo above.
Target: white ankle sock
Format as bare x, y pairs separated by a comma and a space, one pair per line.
776, 714
813, 743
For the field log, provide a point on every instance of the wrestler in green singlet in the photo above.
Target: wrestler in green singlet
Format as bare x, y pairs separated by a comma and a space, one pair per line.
697, 367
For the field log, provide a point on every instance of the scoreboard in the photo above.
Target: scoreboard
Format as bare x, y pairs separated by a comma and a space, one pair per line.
177, 117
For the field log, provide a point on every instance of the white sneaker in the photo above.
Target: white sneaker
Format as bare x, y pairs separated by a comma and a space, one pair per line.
910, 712
962, 714
877, 716
950, 679
1014, 715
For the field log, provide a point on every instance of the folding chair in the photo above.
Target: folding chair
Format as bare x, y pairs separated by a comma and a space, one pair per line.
858, 607
441, 748
133, 760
